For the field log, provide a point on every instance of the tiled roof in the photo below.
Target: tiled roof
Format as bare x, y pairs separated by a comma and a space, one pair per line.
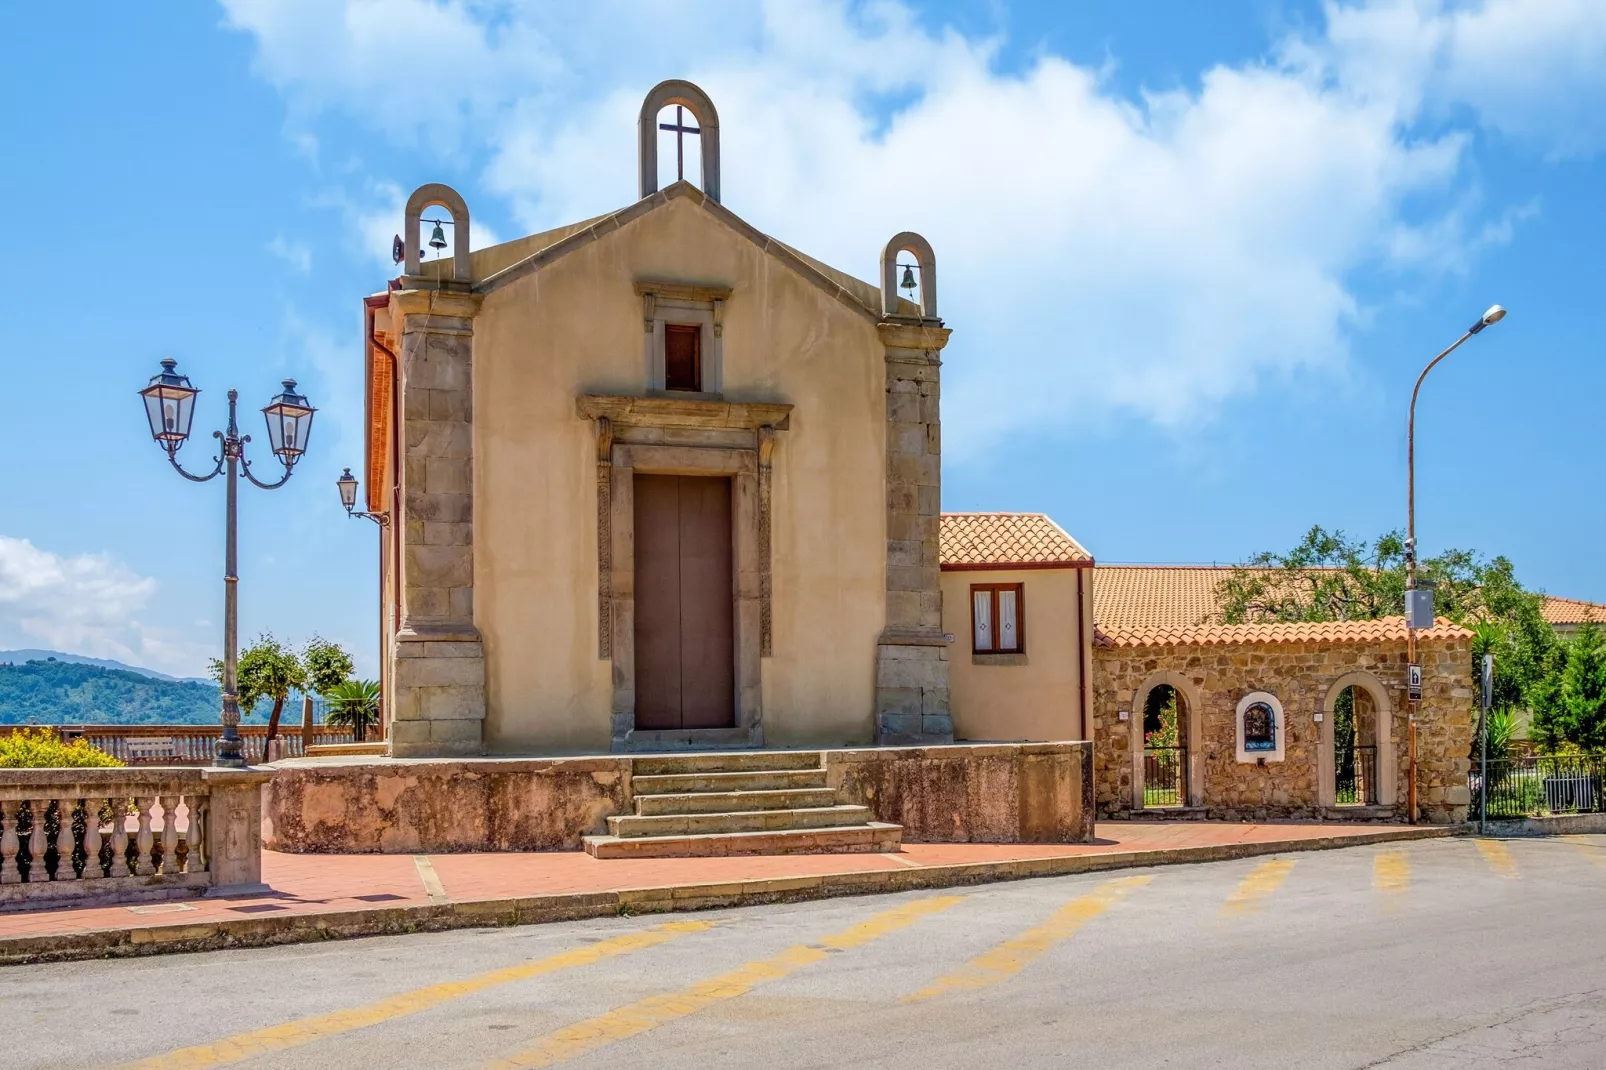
1007, 540
1146, 596
1572, 611
1389, 629
1153, 605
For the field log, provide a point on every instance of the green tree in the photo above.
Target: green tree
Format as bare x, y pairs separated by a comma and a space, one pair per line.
355, 703
1329, 576
267, 669
327, 665
1569, 702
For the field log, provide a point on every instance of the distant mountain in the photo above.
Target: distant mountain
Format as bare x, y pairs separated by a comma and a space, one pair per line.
66, 692
19, 657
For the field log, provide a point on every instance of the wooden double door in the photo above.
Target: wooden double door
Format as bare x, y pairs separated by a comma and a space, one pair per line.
685, 635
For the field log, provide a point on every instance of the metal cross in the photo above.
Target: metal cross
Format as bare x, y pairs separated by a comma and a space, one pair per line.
680, 140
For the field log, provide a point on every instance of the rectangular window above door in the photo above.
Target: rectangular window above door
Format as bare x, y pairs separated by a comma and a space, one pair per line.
997, 618
683, 365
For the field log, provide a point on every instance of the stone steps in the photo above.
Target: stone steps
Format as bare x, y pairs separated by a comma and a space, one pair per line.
742, 780
631, 826
727, 762
873, 838
738, 803
730, 802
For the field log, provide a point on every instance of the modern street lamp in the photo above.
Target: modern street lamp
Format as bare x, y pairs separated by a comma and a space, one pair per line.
347, 484
1419, 604
170, 408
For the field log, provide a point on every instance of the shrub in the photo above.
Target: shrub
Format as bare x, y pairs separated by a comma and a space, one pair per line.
40, 748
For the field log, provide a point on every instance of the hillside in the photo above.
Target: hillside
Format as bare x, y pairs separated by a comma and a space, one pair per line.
18, 657
59, 692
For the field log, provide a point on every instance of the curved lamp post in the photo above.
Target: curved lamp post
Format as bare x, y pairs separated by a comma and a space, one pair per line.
170, 407
1419, 604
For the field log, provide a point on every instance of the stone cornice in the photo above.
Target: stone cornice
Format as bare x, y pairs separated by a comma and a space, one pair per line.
913, 334
434, 303
629, 411
683, 291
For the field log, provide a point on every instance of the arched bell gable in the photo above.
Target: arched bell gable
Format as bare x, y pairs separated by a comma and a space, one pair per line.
909, 242
428, 196
694, 100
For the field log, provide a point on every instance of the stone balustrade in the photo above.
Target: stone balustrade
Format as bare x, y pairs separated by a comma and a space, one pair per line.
108, 835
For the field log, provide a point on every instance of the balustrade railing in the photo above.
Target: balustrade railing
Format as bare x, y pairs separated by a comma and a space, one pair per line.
1541, 785
187, 744
80, 834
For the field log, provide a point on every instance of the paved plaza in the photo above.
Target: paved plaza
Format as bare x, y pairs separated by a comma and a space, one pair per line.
1430, 954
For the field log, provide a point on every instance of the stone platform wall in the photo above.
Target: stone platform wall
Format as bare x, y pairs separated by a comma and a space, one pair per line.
985, 793
1300, 675
390, 806
975, 793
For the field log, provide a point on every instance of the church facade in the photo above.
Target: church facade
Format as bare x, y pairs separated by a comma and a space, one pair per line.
656, 480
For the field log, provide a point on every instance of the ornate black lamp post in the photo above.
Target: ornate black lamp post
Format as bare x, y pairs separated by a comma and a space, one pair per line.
170, 406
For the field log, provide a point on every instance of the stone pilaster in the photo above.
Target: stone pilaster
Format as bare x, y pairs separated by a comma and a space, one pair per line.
912, 655
437, 664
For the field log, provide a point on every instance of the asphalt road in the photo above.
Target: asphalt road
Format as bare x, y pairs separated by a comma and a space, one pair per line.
1434, 954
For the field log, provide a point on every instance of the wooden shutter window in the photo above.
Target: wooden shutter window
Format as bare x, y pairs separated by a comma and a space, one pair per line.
683, 365
997, 618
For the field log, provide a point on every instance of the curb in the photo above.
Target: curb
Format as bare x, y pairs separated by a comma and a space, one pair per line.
536, 910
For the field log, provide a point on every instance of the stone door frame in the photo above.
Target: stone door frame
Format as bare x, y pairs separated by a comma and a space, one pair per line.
1326, 771
685, 437
1193, 733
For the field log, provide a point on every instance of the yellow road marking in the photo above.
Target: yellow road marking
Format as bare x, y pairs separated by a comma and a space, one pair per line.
1592, 849
1494, 852
1261, 882
654, 1011
306, 1030
1010, 957
1391, 872
432, 883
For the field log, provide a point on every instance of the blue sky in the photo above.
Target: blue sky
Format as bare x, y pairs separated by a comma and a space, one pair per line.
1194, 256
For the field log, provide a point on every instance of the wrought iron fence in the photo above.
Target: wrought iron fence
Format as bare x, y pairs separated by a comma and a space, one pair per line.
1165, 776
1539, 785
1356, 780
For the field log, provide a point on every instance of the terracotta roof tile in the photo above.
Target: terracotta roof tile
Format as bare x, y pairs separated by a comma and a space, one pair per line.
1389, 629
1007, 540
1572, 611
1154, 605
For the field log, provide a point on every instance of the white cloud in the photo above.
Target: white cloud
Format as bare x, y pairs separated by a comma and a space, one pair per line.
83, 604
1099, 252
296, 254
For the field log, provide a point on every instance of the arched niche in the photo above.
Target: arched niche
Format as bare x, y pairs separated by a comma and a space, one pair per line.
431, 195
694, 100
909, 242
1192, 734
1267, 705
1326, 786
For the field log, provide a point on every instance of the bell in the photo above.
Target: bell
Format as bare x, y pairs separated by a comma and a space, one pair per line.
437, 240
908, 278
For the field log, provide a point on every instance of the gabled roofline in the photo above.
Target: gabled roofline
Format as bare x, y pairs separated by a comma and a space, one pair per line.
610, 223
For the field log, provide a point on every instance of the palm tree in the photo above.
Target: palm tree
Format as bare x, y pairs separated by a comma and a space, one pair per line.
354, 703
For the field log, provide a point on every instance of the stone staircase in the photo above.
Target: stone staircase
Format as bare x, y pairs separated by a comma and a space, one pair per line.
739, 803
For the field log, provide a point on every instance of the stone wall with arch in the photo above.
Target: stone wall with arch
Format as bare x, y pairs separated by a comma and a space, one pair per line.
1305, 677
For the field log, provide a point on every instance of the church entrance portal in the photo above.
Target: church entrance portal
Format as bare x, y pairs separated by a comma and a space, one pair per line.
685, 645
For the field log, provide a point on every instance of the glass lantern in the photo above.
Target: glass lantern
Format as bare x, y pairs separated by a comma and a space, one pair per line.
289, 419
348, 490
169, 405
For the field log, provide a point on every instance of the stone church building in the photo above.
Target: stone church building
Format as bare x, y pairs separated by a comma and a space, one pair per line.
658, 481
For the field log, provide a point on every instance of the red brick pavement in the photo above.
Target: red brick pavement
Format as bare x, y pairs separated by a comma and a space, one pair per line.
332, 884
